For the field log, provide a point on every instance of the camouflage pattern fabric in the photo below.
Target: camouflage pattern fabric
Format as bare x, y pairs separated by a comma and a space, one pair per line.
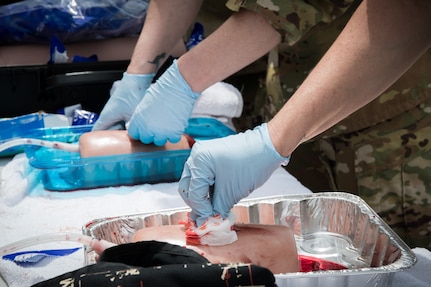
293, 19
389, 166
381, 152
289, 63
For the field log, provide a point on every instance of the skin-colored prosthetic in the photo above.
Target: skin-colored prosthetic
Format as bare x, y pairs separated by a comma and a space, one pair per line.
270, 246
114, 142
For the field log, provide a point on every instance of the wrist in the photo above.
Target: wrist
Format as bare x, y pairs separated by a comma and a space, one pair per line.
176, 78
281, 144
146, 77
141, 68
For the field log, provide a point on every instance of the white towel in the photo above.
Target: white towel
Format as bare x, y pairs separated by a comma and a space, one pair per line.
417, 276
222, 101
215, 231
18, 276
28, 210
17, 178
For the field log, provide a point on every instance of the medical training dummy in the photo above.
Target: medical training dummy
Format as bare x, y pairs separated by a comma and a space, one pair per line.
242, 248
155, 263
167, 255
269, 246
114, 142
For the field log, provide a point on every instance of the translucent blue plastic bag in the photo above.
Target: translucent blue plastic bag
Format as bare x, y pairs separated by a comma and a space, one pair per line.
36, 21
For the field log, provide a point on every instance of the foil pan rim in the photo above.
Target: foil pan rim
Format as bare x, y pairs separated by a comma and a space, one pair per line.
406, 260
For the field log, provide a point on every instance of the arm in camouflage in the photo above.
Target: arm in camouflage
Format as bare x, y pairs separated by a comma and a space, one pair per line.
380, 42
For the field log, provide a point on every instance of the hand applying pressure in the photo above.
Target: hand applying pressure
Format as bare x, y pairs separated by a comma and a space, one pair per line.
125, 96
164, 111
236, 165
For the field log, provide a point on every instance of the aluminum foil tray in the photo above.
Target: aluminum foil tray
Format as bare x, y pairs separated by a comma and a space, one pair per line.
66, 171
333, 226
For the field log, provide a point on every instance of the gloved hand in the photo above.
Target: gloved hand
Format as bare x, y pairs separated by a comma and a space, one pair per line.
236, 165
125, 96
164, 111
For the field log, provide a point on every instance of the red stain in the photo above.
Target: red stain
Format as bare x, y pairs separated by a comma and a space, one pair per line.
309, 264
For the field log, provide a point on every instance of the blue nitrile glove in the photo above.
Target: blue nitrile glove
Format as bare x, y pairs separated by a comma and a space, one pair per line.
125, 96
164, 112
236, 165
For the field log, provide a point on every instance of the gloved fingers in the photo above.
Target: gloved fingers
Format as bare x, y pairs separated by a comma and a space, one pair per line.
107, 117
161, 140
115, 86
184, 184
194, 187
221, 201
125, 95
175, 138
164, 111
113, 114
200, 200
133, 131
230, 186
108, 123
138, 130
99, 125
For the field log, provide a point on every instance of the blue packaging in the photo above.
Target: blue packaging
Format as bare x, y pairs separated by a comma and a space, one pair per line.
196, 36
36, 21
67, 171
83, 117
18, 127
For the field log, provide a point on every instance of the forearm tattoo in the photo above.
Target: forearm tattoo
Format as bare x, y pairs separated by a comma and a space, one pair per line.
157, 60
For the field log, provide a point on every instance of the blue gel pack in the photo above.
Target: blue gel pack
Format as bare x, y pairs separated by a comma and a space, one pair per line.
18, 127
67, 171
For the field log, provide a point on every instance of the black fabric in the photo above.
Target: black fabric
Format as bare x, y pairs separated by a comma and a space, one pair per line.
151, 253
152, 263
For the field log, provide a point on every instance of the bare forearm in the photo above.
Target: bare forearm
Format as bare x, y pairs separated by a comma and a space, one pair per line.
116, 142
243, 38
165, 24
380, 42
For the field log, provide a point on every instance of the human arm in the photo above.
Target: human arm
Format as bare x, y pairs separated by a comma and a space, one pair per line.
165, 24
107, 142
381, 41
167, 105
251, 247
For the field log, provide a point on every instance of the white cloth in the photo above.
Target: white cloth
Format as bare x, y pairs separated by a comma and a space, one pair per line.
221, 101
215, 231
417, 276
27, 210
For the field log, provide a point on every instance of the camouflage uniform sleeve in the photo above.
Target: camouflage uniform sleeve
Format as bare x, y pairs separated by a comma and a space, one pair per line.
306, 42
293, 19
382, 152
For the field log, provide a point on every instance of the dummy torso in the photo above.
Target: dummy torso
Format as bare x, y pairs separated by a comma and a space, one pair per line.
270, 246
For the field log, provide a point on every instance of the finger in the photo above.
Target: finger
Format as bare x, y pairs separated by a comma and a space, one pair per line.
176, 138
133, 131
147, 139
117, 126
202, 178
160, 141
220, 203
184, 183
103, 123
